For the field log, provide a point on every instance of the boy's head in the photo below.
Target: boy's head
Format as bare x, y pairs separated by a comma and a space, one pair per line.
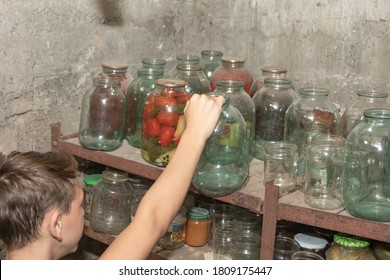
40, 196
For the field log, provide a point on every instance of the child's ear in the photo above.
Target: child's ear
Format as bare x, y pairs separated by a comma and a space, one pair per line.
56, 225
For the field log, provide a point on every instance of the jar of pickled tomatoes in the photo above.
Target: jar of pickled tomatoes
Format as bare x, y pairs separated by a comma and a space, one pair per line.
163, 121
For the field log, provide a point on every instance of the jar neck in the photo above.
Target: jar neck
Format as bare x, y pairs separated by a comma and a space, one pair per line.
106, 82
377, 115
372, 96
187, 59
116, 176
211, 55
313, 93
153, 63
189, 69
277, 83
233, 64
150, 73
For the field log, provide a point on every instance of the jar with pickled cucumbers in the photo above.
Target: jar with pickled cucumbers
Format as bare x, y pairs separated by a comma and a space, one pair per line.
349, 247
163, 121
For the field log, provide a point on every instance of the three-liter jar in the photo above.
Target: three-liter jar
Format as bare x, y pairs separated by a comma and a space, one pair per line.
163, 121
198, 225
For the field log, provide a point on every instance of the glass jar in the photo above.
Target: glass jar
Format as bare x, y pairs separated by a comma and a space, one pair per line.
312, 113
348, 247
102, 115
223, 167
220, 213
196, 80
271, 103
154, 63
366, 99
232, 68
285, 247
250, 222
111, 204
268, 72
281, 165
314, 244
223, 240
210, 60
198, 225
136, 94
89, 181
175, 236
324, 172
366, 185
116, 70
306, 255
163, 121
246, 246
242, 101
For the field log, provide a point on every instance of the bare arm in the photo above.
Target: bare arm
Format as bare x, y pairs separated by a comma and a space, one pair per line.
163, 200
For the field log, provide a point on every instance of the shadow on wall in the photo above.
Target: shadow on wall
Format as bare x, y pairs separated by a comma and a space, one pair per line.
110, 11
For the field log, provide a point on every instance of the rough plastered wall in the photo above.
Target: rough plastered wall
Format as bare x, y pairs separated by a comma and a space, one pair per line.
50, 50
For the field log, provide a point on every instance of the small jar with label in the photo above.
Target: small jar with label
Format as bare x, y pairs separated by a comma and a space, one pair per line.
175, 236
311, 243
89, 181
349, 247
198, 223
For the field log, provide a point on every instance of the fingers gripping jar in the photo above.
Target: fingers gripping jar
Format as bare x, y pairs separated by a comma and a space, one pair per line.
163, 121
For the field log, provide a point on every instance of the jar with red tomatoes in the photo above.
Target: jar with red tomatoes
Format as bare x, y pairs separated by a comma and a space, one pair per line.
232, 68
163, 121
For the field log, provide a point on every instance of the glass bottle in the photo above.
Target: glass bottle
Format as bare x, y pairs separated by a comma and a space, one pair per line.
366, 184
268, 72
312, 113
197, 227
174, 238
271, 103
223, 167
116, 70
281, 165
102, 115
136, 94
242, 101
366, 99
111, 204
232, 68
324, 172
163, 121
196, 80
90, 181
348, 247
210, 60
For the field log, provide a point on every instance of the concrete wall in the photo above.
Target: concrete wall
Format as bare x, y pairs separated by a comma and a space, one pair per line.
50, 50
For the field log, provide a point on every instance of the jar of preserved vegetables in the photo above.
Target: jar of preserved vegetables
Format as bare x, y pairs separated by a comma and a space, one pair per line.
163, 121
366, 184
196, 80
366, 99
90, 181
111, 204
210, 60
244, 103
268, 72
136, 94
116, 70
271, 103
223, 167
348, 247
232, 68
102, 116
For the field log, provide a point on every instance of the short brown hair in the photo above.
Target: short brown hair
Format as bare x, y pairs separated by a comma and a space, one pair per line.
31, 184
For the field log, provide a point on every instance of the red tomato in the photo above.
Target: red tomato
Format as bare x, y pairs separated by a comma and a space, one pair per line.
166, 118
165, 101
182, 97
166, 135
168, 92
148, 109
152, 127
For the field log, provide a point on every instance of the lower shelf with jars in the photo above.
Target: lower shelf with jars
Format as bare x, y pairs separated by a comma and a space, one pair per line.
254, 196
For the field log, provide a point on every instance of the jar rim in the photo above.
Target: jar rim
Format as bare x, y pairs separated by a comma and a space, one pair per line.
277, 81
377, 113
213, 53
189, 67
372, 93
274, 69
167, 82
233, 59
313, 91
198, 213
154, 61
188, 57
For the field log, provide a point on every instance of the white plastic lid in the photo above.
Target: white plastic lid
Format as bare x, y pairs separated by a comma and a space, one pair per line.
309, 241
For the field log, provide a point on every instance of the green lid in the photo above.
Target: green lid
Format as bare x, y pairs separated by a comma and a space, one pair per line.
198, 213
92, 179
350, 240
